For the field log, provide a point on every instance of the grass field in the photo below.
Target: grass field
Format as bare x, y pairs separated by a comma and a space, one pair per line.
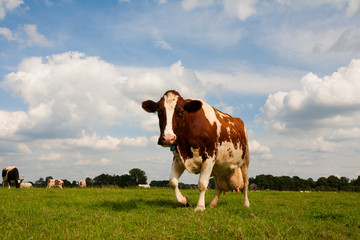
114, 213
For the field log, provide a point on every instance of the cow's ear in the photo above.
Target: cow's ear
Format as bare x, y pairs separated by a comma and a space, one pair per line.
193, 106
150, 106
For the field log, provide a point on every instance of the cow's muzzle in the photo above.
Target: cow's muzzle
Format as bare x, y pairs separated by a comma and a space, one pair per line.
167, 140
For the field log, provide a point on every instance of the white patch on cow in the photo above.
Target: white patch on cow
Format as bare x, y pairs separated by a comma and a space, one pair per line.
229, 158
170, 103
211, 116
9, 168
228, 130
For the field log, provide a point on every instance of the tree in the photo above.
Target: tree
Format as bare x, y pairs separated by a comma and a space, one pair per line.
40, 183
138, 176
89, 182
161, 183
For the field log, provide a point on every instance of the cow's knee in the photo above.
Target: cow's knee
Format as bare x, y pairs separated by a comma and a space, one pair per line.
173, 183
202, 185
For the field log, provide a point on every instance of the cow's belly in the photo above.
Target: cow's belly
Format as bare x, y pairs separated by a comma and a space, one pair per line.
229, 159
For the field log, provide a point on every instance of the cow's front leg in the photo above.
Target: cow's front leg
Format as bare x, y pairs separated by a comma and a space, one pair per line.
177, 170
205, 173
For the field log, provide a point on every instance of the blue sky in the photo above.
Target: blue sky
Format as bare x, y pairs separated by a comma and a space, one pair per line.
73, 75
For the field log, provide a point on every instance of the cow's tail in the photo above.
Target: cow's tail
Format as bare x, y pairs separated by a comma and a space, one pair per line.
4, 172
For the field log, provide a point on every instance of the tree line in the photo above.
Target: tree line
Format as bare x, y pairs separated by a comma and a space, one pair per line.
285, 183
137, 176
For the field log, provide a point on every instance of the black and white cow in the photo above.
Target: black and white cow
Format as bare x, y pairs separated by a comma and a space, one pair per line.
11, 174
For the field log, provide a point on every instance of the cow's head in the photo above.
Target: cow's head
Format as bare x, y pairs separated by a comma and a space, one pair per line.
18, 182
171, 109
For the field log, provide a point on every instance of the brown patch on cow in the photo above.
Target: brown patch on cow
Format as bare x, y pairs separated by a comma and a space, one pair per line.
237, 133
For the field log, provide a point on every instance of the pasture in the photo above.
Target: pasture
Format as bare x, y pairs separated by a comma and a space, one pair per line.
115, 213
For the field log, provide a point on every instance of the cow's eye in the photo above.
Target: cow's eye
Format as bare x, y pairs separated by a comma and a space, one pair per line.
181, 113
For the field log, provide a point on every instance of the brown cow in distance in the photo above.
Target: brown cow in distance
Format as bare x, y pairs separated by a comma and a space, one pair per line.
203, 140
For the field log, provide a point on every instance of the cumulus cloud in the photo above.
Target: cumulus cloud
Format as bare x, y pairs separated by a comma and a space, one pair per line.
70, 95
153, 83
11, 122
8, 6
64, 94
259, 151
324, 111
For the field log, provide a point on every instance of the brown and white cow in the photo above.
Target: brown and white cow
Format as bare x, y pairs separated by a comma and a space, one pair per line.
203, 140
81, 183
55, 183
11, 174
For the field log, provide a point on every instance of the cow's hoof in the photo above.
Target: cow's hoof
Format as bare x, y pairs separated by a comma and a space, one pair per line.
246, 203
187, 204
199, 208
213, 205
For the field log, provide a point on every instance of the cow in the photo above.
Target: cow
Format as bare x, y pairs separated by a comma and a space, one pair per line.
55, 183
11, 174
144, 186
81, 183
203, 141
26, 185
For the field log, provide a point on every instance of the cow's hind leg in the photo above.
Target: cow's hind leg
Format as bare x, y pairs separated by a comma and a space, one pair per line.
177, 170
244, 171
218, 191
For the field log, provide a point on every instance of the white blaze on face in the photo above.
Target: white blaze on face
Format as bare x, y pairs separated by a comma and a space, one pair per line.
170, 103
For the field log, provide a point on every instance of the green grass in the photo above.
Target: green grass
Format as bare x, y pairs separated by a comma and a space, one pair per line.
114, 213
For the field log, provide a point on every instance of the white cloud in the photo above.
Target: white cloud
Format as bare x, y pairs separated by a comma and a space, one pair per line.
354, 8
35, 38
66, 93
22, 147
302, 164
244, 80
189, 5
11, 122
7, 34
259, 151
107, 143
163, 44
50, 157
324, 115
153, 83
8, 6
322, 102
241, 9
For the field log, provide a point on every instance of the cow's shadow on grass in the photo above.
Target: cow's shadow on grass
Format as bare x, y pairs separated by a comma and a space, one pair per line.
123, 206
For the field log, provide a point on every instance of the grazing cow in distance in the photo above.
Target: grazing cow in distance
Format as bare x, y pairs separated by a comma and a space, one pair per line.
203, 140
144, 186
26, 185
55, 183
81, 183
11, 174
